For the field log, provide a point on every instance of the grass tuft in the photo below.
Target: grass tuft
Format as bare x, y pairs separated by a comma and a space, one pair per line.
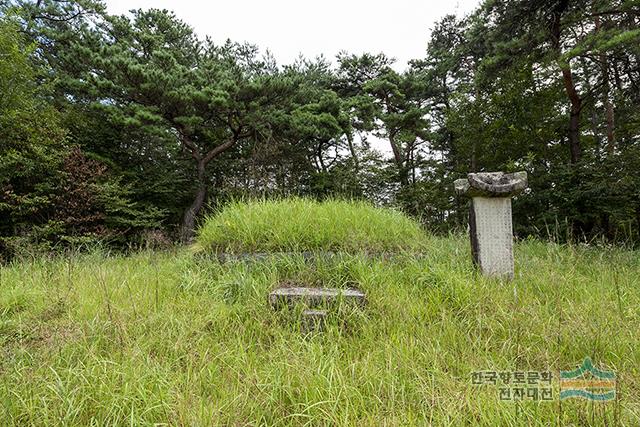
168, 338
307, 225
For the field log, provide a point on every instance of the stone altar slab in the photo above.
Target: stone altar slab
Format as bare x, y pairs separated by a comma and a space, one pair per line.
314, 297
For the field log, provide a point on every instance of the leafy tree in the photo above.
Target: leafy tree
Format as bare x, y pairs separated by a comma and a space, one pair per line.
529, 67
394, 102
115, 124
151, 72
31, 137
49, 190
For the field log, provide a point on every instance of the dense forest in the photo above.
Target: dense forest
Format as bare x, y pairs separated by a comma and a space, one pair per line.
129, 129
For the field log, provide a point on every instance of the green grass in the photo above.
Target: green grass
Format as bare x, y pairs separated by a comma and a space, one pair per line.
177, 339
305, 225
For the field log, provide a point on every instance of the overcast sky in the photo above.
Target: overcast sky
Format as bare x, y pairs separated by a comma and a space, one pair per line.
399, 28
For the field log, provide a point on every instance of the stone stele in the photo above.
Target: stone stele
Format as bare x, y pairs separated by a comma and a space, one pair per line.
490, 225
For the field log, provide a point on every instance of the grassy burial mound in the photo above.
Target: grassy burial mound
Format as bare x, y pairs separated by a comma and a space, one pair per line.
169, 338
294, 225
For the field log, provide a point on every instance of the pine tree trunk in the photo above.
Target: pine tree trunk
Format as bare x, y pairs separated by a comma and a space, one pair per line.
574, 132
187, 231
608, 106
354, 155
567, 79
403, 172
611, 138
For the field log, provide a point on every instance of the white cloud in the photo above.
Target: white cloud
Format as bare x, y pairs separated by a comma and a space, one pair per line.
289, 28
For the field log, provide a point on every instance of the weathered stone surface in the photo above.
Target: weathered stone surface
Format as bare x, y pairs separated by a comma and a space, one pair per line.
316, 314
313, 320
314, 297
492, 239
311, 256
461, 186
491, 184
261, 256
490, 226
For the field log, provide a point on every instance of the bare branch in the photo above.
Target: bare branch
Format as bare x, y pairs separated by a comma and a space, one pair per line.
218, 150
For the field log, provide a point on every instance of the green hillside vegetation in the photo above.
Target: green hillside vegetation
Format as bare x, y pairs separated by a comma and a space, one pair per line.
156, 186
175, 338
114, 127
308, 225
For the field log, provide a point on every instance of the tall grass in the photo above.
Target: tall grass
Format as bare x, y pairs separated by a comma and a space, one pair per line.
173, 339
305, 224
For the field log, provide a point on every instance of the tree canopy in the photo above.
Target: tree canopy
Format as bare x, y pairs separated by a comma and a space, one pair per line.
147, 124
